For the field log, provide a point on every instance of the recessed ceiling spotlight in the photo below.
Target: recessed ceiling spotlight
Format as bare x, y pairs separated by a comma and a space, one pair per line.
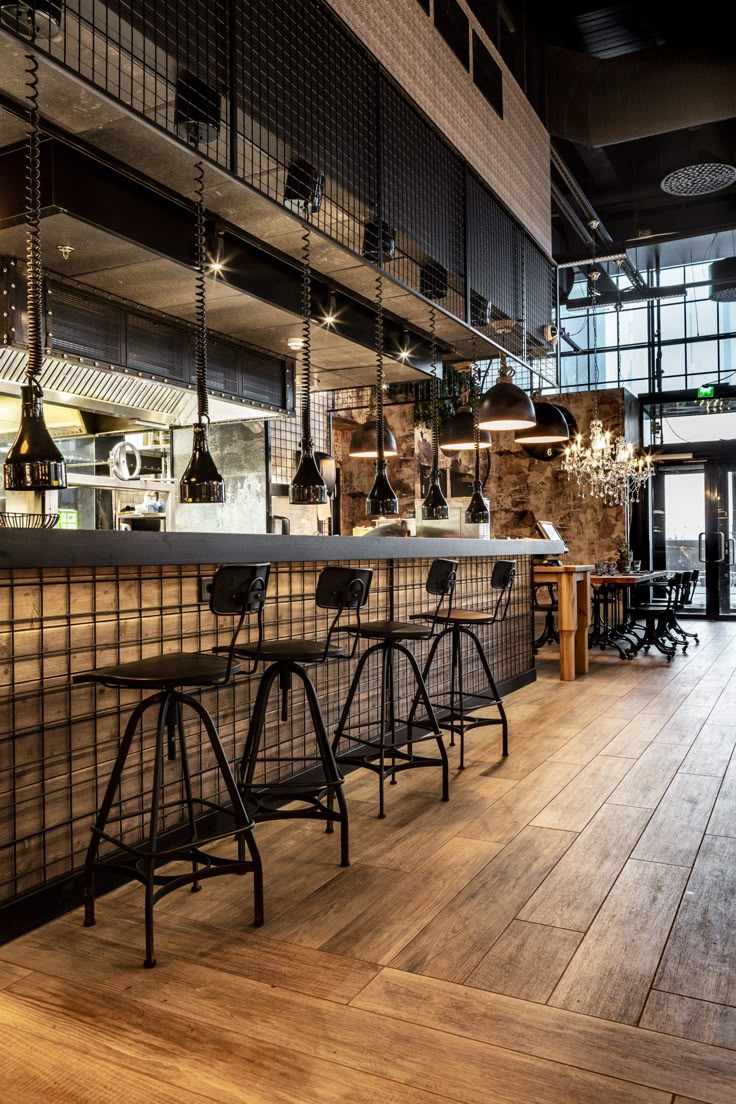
66, 251
699, 179
296, 344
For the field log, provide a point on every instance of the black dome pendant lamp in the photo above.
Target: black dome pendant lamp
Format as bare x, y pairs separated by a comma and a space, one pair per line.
478, 511
382, 501
33, 462
434, 507
201, 482
550, 428
505, 406
307, 488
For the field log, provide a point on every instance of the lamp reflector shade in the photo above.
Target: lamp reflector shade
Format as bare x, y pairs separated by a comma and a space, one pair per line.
723, 280
364, 441
308, 488
382, 501
434, 507
201, 482
33, 462
478, 511
505, 407
458, 433
327, 469
551, 426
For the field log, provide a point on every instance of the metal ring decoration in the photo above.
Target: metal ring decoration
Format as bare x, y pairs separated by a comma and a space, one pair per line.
118, 460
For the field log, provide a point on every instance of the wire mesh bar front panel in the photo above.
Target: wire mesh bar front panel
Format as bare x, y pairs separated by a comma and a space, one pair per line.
58, 741
281, 95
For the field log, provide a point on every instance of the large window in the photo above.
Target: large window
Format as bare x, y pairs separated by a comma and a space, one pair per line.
651, 346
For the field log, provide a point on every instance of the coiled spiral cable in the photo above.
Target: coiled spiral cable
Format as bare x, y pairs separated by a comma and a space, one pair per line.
34, 267
380, 422
475, 376
200, 338
307, 442
434, 394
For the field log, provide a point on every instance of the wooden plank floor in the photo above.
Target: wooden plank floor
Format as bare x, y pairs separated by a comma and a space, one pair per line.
563, 932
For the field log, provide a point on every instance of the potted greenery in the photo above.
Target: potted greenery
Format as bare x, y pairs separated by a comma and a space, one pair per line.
624, 557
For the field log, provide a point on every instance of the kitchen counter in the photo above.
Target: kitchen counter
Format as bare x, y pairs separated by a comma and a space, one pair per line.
82, 548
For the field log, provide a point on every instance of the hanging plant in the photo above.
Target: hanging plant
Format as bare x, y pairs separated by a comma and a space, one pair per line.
454, 389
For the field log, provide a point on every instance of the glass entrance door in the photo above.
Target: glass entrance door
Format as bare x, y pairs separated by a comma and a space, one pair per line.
694, 529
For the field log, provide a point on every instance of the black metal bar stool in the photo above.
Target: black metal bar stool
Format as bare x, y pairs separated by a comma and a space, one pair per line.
548, 606
239, 591
458, 624
340, 589
390, 742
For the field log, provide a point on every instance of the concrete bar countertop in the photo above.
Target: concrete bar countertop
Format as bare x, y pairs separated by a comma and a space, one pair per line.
77, 548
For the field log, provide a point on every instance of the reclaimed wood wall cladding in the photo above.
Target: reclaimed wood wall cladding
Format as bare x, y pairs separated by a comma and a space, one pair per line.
58, 741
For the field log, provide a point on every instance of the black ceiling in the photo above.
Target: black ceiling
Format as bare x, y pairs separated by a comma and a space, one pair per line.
652, 62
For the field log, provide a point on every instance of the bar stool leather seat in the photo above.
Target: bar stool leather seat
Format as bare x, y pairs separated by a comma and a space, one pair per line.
392, 630
295, 651
163, 672
456, 617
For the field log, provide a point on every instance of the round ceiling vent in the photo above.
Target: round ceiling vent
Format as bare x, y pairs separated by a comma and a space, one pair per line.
699, 179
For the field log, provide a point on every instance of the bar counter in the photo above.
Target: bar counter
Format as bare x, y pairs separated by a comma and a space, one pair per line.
71, 601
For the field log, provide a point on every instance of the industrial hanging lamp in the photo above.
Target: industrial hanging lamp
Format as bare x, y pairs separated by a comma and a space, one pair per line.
364, 440
505, 406
308, 487
478, 510
550, 426
382, 501
33, 462
458, 433
434, 507
201, 482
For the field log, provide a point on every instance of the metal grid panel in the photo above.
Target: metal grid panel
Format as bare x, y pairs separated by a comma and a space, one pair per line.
286, 435
290, 102
58, 741
427, 209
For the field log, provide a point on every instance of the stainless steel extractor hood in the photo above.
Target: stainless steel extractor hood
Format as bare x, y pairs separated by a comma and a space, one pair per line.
119, 392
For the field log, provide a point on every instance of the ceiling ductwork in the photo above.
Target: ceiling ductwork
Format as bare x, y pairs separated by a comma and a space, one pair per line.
604, 101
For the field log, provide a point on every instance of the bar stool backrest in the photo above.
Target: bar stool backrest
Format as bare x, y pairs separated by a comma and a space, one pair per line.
685, 579
340, 589
343, 588
441, 580
502, 581
694, 576
442, 577
239, 590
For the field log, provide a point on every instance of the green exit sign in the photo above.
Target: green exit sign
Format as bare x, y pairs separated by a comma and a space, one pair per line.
706, 392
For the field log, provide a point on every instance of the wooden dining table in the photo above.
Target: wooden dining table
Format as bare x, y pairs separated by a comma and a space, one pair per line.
573, 618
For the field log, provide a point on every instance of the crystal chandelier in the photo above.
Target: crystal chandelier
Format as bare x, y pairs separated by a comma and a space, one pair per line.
608, 468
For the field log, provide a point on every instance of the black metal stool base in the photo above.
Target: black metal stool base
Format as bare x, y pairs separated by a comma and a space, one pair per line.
384, 752
549, 634
146, 858
457, 718
265, 801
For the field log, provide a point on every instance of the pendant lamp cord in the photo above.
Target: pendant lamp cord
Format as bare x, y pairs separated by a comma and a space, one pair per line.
200, 341
434, 392
594, 319
475, 375
380, 425
34, 268
307, 443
